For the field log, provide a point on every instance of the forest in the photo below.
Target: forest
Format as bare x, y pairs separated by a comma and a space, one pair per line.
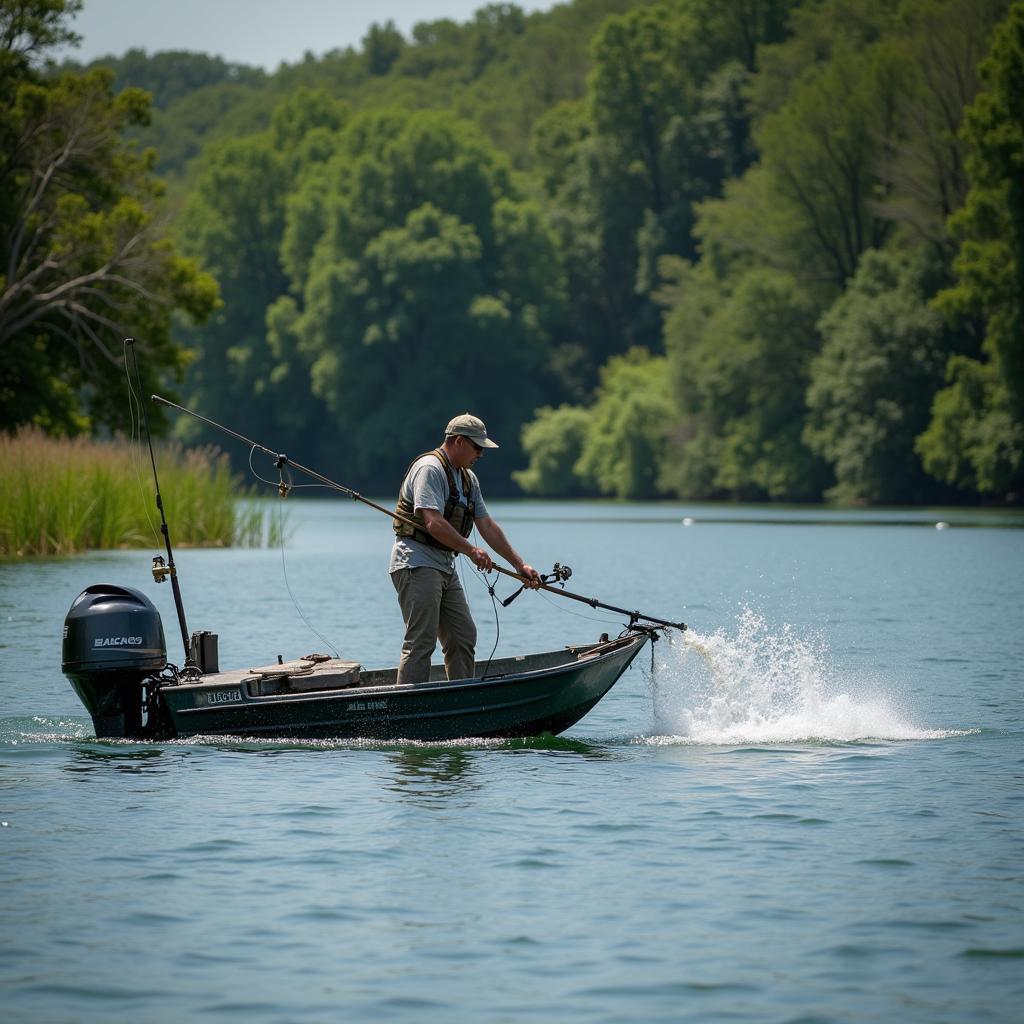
756, 250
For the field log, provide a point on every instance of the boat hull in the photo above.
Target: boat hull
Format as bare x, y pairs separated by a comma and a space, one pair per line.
545, 693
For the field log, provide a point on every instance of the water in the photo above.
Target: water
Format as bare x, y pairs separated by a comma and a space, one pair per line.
809, 812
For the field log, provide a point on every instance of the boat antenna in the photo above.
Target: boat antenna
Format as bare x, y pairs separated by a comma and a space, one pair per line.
558, 575
161, 570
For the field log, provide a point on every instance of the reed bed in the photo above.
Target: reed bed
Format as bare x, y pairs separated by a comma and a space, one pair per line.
61, 496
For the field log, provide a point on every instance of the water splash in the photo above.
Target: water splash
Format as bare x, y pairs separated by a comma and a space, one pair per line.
765, 686
41, 729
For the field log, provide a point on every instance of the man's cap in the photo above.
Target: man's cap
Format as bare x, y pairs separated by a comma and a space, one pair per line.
472, 427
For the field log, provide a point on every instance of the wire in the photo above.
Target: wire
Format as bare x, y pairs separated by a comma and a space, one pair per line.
135, 456
497, 621
494, 605
284, 571
568, 611
252, 469
277, 484
284, 565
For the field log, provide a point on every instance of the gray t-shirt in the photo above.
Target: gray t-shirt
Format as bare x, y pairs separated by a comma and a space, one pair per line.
426, 486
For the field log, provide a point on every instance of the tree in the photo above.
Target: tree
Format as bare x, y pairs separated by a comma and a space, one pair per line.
641, 80
819, 158
923, 173
554, 441
663, 127
976, 436
85, 260
234, 222
740, 351
382, 46
738, 28
173, 74
421, 283
625, 443
881, 361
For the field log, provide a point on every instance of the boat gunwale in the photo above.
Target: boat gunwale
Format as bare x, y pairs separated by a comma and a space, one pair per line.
614, 648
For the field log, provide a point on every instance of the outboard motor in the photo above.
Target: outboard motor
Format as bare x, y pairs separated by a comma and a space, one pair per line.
113, 640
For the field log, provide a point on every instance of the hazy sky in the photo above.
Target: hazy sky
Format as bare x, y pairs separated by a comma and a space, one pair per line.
258, 32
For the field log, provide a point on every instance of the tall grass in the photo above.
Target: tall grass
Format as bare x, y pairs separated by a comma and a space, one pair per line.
61, 496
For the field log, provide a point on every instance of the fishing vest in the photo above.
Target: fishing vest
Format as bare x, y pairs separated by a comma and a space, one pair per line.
458, 515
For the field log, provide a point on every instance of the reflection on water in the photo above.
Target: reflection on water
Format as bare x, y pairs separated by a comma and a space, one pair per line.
433, 774
564, 744
121, 757
440, 772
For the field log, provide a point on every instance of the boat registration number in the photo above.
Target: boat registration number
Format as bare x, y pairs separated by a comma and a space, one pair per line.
368, 705
223, 696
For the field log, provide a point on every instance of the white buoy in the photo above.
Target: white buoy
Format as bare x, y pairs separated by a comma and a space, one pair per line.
941, 526
687, 521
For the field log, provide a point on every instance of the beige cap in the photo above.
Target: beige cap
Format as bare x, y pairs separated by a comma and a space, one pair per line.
472, 427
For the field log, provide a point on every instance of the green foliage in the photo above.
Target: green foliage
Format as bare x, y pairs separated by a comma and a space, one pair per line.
382, 46
430, 281
554, 441
501, 70
85, 261
881, 360
173, 74
234, 222
766, 190
740, 354
28, 29
384, 262
625, 445
923, 174
736, 29
810, 203
614, 447
665, 124
62, 496
976, 438
641, 81
855, 121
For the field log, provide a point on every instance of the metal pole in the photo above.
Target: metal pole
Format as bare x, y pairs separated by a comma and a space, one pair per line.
171, 569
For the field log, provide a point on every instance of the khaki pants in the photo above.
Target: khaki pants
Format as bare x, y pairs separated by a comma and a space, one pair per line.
434, 608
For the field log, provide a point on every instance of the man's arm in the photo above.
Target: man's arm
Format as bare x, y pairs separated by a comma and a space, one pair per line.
495, 537
441, 530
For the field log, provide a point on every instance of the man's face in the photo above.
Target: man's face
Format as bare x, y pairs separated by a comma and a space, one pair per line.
467, 451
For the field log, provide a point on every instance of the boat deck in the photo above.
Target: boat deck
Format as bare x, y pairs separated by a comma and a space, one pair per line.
306, 675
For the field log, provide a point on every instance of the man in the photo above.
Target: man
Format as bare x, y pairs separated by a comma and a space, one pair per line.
441, 493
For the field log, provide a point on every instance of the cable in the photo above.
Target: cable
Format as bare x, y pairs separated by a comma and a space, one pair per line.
252, 469
568, 611
497, 622
289, 486
134, 414
284, 488
284, 571
136, 458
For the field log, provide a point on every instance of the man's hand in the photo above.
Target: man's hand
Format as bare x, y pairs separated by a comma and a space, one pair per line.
531, 576
481, 559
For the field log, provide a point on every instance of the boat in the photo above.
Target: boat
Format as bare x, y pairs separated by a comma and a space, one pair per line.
114, 654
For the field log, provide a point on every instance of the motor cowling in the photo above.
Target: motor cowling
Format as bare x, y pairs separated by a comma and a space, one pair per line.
113, 641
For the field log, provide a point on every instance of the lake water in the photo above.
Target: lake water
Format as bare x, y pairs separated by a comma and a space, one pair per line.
809, 811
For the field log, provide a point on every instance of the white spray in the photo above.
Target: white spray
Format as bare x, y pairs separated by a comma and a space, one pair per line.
765, 686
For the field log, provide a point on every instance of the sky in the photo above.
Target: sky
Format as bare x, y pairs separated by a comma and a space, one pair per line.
262, 33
